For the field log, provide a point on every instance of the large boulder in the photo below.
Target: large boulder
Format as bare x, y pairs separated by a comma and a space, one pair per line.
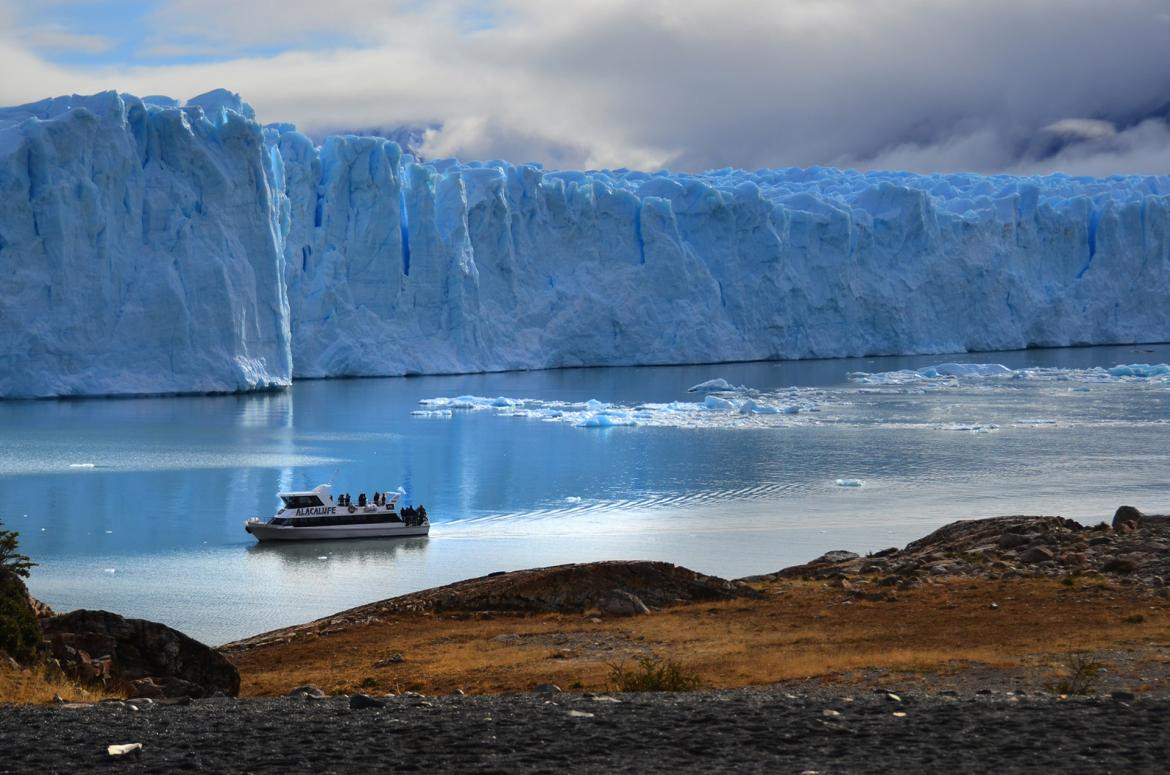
102, 645
1126, 516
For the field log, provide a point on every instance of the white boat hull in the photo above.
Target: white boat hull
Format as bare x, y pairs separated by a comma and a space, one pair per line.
265, 532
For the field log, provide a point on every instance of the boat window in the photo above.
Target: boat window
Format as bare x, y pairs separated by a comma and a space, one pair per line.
300, 501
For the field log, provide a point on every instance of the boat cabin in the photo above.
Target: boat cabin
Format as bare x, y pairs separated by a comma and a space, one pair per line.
319, 496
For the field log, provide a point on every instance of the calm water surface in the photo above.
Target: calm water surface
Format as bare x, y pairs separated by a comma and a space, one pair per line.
137, 505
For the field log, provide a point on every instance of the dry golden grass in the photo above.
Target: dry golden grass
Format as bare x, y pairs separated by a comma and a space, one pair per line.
36, 686
798, 630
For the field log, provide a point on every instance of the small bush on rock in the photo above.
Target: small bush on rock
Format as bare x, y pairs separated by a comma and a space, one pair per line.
650, 674
1083, 673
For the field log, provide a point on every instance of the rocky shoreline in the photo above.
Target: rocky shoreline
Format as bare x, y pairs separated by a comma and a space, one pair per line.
972, 719
779, 729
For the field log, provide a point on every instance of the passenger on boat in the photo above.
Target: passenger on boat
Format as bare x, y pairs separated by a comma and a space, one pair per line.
361, 499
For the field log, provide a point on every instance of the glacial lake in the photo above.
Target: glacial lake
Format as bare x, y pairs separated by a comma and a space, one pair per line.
137, 505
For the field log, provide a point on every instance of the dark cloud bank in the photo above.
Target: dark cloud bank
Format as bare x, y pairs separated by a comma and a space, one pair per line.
1079, 86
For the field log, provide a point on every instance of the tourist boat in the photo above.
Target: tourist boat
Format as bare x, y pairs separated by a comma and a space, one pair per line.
315, 515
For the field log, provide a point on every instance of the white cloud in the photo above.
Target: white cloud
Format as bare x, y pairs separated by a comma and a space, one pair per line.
57, 38
966, 84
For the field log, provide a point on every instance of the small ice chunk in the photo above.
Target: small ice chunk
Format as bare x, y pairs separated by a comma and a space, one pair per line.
82, 465
850, 482
717, 403
110, 570
573, 499
970, 427
594, 405
753, 407
604, 420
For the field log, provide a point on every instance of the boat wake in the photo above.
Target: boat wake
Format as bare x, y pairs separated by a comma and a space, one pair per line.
601, 515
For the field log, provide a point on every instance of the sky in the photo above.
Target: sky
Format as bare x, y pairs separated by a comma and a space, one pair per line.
1019, 86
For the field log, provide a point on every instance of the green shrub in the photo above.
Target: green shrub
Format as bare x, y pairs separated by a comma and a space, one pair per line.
650, 674
10, 559
20, 635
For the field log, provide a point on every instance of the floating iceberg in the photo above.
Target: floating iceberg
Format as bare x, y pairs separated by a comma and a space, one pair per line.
153, 247
964, 370
949, 374
719, 385
1140, 370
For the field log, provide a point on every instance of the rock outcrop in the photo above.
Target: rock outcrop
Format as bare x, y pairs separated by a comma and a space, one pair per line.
1138, 550
147, 658
40, 610
616, 588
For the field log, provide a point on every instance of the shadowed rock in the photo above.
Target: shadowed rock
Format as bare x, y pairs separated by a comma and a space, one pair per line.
101, 645
1129, 518
1126, 515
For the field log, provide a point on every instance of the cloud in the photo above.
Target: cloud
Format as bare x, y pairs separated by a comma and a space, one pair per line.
57, 38
1140, 150
985, 85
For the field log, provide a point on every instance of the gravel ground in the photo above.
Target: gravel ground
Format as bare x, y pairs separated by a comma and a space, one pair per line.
771, 730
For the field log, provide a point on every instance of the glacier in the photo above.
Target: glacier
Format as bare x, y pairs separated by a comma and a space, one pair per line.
138, 250
150, 246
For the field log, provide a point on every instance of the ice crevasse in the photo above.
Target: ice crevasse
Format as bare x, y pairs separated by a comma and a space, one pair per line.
153, 247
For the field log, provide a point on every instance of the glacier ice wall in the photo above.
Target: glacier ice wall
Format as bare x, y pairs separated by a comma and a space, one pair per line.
397, 267
161, 248
138, 249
